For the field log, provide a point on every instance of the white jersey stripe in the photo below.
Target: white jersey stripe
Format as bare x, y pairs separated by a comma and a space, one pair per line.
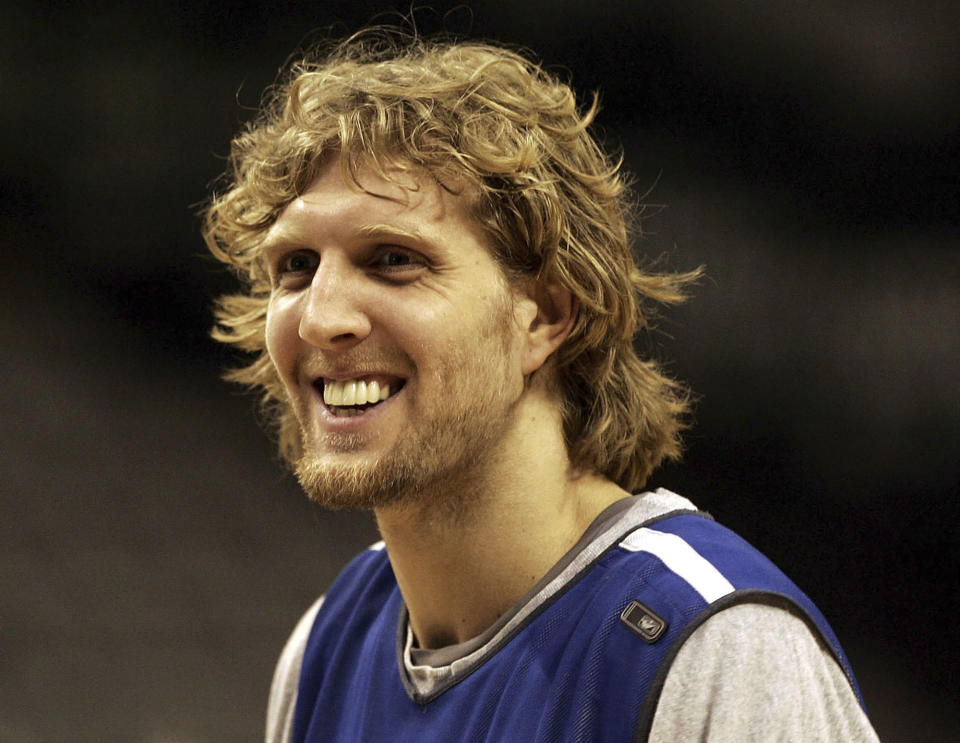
681, 559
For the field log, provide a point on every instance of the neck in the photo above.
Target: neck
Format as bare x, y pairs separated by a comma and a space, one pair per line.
461, 567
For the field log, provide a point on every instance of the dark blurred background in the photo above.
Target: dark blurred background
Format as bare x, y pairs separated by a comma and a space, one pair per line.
154, 557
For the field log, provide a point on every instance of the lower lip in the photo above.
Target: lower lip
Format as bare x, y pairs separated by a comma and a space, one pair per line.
338, 422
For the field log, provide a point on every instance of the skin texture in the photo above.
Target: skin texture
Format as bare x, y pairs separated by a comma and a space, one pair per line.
465, 467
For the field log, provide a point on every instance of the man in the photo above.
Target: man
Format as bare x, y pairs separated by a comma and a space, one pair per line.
441, 302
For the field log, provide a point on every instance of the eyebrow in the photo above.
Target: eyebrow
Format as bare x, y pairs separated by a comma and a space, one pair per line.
390, 230
284, 239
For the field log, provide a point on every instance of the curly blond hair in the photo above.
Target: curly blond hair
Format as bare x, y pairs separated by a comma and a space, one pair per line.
552, 203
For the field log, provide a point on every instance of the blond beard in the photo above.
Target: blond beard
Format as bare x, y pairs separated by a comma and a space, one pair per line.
441, 457
430, 466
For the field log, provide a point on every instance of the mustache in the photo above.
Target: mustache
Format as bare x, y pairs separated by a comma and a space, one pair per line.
355, 363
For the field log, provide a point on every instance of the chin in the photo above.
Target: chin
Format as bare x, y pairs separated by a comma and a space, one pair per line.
358, 485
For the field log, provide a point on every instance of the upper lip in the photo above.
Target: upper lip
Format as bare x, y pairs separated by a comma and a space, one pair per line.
343, 376
395, 381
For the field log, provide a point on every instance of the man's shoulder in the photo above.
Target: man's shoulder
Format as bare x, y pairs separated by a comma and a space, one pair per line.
369, 559
754, 672
712, 558
367, 578
689, 569
665, 532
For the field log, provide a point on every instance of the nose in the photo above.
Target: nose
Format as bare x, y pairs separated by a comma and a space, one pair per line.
333, 318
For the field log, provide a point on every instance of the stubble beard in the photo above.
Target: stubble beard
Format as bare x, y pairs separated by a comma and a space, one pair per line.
434, 462
439, 460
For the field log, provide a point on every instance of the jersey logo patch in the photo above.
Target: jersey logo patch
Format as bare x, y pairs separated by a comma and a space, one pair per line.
643, 621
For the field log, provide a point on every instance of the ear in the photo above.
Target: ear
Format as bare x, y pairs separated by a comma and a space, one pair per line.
547, 313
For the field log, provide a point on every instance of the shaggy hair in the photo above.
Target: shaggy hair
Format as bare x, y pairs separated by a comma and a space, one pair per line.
554, 206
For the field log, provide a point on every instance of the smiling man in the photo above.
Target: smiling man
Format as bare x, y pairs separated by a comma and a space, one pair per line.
441, 301
390, 324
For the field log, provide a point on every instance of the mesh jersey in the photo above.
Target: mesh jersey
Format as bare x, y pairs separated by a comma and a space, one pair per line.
584, 660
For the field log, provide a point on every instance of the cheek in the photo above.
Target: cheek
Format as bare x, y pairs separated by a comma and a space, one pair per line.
282, 335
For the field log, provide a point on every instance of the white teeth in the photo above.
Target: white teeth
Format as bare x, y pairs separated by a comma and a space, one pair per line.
354, 392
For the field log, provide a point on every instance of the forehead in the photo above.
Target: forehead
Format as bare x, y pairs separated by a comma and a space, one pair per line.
402, 210
366, 200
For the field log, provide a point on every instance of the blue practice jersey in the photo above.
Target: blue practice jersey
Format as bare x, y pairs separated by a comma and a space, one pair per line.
583, 660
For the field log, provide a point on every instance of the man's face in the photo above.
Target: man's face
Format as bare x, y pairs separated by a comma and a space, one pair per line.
390, 290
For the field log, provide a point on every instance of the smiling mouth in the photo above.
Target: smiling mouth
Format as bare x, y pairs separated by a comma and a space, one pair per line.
349, 397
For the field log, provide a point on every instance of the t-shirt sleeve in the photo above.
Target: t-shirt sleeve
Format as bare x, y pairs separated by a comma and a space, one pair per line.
755, 673
283, 689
